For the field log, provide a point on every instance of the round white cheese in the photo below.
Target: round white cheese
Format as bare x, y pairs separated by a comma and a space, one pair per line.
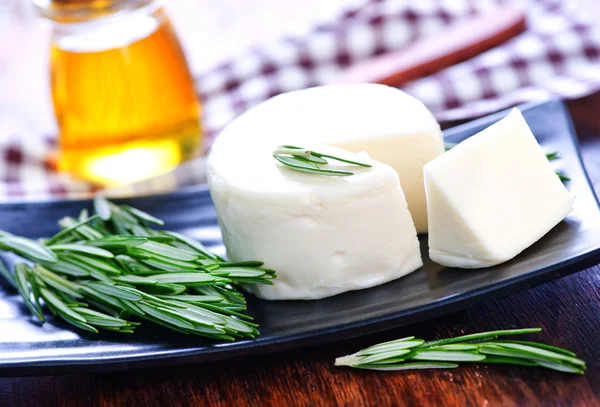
324, 235
390, 125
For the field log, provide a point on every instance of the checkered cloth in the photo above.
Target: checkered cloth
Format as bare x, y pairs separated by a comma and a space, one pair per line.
558, 56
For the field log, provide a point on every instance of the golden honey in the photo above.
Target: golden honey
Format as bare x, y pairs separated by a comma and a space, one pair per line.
123, 97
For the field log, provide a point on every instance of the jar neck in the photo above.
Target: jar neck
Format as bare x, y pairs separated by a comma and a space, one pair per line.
78, 11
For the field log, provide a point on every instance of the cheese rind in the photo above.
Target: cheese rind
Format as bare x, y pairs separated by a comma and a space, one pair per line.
323, 235
492, 196
390, 125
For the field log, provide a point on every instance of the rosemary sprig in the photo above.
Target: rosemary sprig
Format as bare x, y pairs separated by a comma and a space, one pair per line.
301, 159
103, 269
411, 353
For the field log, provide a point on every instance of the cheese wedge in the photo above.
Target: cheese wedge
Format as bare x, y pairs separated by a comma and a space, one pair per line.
324, 235
492, 196
390, 125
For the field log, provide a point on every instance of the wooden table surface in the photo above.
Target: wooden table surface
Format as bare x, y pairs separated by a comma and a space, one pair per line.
568, 310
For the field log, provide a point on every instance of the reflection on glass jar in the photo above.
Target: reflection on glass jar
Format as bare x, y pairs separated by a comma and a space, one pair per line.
123, 95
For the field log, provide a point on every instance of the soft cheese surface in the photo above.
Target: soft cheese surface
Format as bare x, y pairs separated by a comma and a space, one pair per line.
390, 125
492, 196
323, 235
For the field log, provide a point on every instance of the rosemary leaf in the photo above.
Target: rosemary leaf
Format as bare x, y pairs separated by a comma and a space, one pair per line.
143, 216
161, 265
159, 261
79, 227
479, 336
94, 251
189, 279
344, 160
164, 250
295, 150
27, 248
74, 322
193, 315
168, 317
64, 266
398, 344
193, 299
448, 356
509, 361
302, 166
542, 346
224, 309
165, 289
194, 244
117, 242
61, 308
104, 265
456, 346
241, 264
83, 214
135, 280
131, 307
133, 266
539, 352
562, 367
102, 298
114, 291
98, 275
24, 286
409, 366
57, 237
102, 208
382, 356
99, 319
123, 214
4, 272
310, 158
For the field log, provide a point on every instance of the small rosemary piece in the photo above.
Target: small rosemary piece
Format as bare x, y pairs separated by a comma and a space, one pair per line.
102, 270
449, 145
411, 353
301, 159
555, 156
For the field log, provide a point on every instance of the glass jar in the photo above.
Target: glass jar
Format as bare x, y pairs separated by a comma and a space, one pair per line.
122, 92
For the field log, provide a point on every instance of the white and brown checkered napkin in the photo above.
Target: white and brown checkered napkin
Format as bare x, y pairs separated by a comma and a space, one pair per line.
557, 57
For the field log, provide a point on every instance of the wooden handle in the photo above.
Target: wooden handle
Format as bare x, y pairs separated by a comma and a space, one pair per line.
461, 41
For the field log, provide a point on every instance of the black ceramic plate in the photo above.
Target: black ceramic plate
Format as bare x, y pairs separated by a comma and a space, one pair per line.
28, 348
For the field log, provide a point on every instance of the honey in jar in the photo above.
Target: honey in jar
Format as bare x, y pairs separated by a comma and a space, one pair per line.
123, 95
